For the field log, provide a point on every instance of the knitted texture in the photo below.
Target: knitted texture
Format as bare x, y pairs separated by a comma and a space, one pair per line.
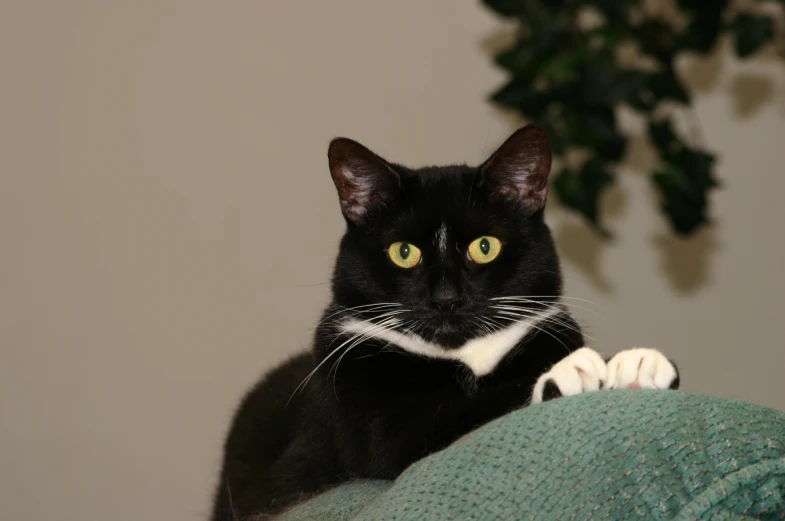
614, 455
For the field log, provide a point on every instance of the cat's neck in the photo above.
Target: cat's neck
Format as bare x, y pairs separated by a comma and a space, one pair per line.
481, 354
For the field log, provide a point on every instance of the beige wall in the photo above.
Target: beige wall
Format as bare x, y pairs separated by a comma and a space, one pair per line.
167, 223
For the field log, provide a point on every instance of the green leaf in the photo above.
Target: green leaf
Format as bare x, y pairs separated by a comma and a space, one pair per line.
684, 182
506, 8
698, 167
634, 90
662, 135
616, 12
520, 94
613, 148
666, 85
752, 32
568, 81
581, 191
656, 38
608, 36
515, 92
557, 141
593, 127
564, 66
599, 80
702, 33
519, 58
705, 24
599, 125
558, 70
629, 84
684, 214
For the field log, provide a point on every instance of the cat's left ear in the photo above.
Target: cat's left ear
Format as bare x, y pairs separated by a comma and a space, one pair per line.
364, 180
518, 170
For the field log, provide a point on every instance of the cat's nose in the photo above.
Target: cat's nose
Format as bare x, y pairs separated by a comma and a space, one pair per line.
446, 298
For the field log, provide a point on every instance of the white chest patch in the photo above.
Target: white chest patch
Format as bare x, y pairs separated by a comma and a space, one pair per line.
481, 355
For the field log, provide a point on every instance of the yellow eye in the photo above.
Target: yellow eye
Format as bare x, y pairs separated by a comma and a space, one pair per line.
404, 254
485, 249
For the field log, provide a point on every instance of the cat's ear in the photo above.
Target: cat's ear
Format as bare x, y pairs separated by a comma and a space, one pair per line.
518, 170
364, 180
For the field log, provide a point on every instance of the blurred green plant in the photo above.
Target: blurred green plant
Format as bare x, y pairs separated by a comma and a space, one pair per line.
574, 62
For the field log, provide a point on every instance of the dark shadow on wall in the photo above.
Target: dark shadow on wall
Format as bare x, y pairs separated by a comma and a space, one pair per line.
749, 92
685, 262
581, 245
583, 248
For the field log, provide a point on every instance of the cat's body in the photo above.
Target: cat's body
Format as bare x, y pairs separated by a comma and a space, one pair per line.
446, 314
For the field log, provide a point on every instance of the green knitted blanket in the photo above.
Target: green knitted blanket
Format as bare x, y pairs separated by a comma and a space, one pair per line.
616, 455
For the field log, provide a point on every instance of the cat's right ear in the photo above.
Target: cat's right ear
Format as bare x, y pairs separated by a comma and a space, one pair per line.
518, 170
364, 180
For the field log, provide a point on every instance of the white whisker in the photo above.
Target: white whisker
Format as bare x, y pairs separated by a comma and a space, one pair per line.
534, 326
310, 375
557, 297
368, 334
364, 308
383, 316
371, 333
480, 325
533, 301
518, 313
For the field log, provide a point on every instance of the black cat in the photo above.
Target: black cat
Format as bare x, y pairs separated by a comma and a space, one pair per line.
446, 314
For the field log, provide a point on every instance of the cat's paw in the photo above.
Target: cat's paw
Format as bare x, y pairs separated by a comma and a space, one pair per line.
582, 371
641, 368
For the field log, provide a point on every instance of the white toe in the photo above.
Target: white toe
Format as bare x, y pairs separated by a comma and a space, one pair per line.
648, 368
581, 371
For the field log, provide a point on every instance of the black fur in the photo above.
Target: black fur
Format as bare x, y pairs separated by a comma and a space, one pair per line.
380, 408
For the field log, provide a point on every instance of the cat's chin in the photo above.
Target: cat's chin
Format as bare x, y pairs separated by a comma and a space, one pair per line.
449, 334
446, 339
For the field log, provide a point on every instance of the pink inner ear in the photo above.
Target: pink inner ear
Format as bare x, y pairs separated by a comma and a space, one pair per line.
356, 193
362, 178
519, 169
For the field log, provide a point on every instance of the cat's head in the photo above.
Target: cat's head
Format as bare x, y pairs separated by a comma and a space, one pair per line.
440, 252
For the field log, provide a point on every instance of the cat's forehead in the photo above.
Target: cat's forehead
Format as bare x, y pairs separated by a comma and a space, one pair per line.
442, 205
438, 178
438, 194
439, 188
